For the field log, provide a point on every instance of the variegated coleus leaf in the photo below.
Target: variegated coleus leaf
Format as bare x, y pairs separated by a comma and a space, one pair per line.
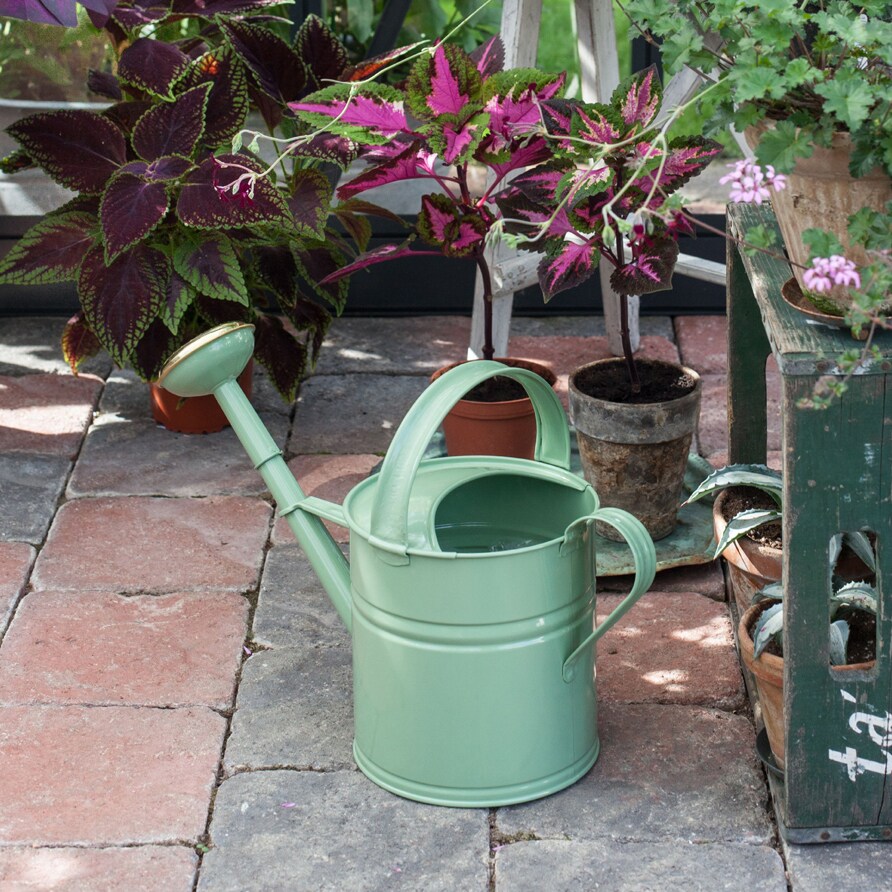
120, 301
489, 57
51, 250
637, 99
180, 296
172, 128
227, 103
309, 198
323, 54
374, 115
367, 67
321, 267
442, 224
331, 147
521, 216
501, 164
597, 125
152, 66
512, 99
686, 157
369, 258
649, 270
211, 8
444, 86
209, 264
456, 144
78, 342
130, 209
557, 118
566, 264
399, 162
205, 202
78, 149
274, 67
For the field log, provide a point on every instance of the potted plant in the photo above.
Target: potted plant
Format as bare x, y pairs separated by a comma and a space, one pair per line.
588, 172
747, 517
852, 646
164, 236
810, 84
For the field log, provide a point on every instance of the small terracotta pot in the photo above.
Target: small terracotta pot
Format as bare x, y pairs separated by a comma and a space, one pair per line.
751, 565
197, 414
502, 428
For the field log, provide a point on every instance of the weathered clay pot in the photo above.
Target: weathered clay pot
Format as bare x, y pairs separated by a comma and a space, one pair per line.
751, 565
500, 428
635, 455
197, 414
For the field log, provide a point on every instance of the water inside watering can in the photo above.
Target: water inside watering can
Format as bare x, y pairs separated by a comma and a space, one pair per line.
505, 512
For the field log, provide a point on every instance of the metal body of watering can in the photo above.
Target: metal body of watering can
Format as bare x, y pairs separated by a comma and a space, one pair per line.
470, 592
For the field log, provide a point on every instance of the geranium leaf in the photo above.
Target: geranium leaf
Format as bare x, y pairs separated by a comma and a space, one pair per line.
374, 115
445, 85
281, 354
50, 251
309, 201
209, 264
152, 66
78, 342
276, 69
566, 264
130, 209
120, 301
200, 205
490, 57
172, 128
324, 55
78, 149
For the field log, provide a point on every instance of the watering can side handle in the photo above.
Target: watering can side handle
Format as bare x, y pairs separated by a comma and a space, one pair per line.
645, 557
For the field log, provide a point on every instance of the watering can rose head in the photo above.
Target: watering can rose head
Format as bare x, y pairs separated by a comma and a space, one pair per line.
165, 238
570, 179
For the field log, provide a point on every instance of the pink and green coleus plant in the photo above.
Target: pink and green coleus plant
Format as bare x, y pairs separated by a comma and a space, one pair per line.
565, 178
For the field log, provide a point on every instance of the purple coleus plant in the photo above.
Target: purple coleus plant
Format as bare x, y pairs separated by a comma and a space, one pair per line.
565, 178
170, 233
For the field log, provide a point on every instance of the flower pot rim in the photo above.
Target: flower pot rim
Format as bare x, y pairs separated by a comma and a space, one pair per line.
745, 553
693, 395
531, 364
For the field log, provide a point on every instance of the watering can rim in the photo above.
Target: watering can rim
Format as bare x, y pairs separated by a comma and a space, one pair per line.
197, 343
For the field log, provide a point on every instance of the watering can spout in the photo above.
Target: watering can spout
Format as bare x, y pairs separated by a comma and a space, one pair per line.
210, 364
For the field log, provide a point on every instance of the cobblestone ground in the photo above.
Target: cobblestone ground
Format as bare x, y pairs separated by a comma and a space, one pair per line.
175, 688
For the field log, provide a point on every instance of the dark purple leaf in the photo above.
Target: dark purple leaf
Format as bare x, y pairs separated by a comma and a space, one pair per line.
309, 201
565, 265
126, 114
328, 147
205, 203
444, 226
317, 267
130, 209
132, 15
104, 83
51, 250
444, 85
78, 149
153, 350
270, 110
46, 12
357, 226
209, 264
162, 170
172, 128
180, 296
305, 315
227, 104
120, 301
210, 8
17, 161
324, 55
490, 57
216, 312
275, 68
280, 353
277, 271
78, 342
152, 66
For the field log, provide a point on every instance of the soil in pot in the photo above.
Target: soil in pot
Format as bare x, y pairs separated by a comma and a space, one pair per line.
496, 417
634, 447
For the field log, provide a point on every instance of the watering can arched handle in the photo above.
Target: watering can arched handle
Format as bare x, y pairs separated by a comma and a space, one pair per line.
389, 520
645, 557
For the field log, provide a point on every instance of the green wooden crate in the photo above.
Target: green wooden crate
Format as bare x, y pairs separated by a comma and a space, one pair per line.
837, 467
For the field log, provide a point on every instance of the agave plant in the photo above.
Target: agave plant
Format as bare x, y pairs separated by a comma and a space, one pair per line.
854, 596
168, 233
589, 171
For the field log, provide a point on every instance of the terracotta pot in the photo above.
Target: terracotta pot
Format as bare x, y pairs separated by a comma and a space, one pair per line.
768, 672
501, 428
821, 193
197, 414
751, 565
635, 456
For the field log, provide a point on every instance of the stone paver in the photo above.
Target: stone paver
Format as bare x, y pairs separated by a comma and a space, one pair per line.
584, 326
46, 414
703, 343
295, 709
334, 831
293, 608
352, 413
416, 345
111, 776
328, 477
706, 579
102, 649
143, 544
16, 560
30, 486
670, 648
31, 344
831, 868
571, 866
664, 773
142, 458
67, 869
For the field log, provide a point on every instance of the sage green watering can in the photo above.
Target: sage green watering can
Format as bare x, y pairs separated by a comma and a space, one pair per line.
470, 591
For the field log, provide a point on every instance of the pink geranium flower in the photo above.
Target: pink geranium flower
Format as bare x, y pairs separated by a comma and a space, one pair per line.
825, 272
752, 184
